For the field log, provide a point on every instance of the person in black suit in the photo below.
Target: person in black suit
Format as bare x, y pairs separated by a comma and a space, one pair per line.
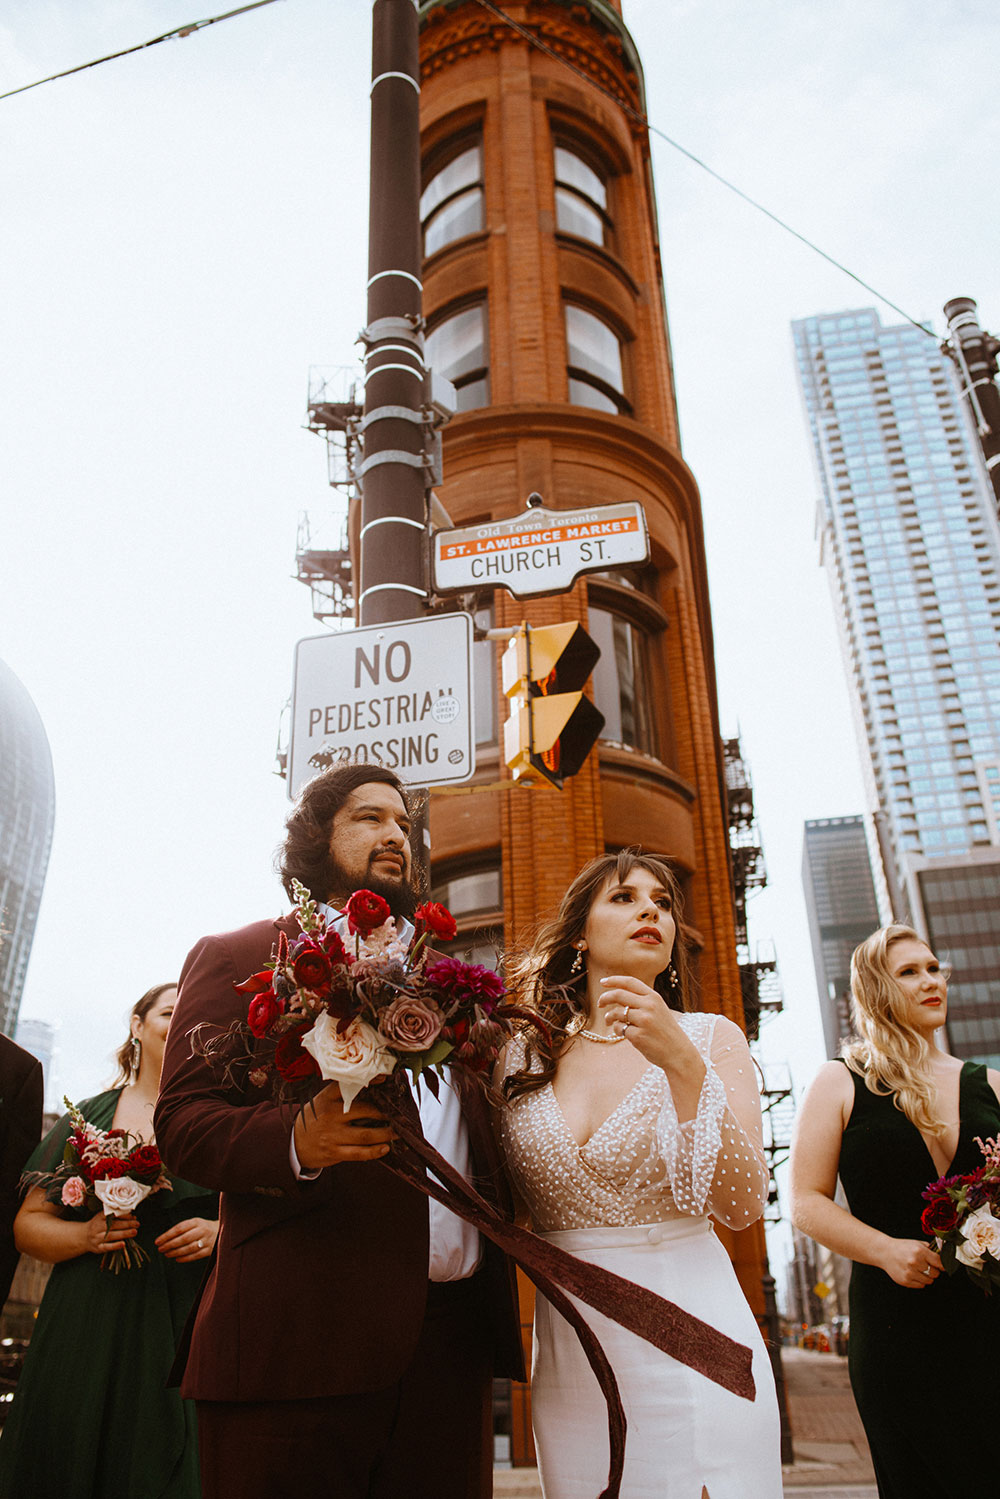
21, 1089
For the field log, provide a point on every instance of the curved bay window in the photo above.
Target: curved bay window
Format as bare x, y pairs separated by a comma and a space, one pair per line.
456, 348
622, 689
476, 902
451, 205
594, 362
581, 197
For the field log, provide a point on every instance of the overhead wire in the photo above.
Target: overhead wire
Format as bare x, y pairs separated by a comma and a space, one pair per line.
642, 119
168, 36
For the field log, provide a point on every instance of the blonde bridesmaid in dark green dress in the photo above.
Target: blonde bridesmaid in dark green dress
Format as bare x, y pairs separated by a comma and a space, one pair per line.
889, 1117
92, 1417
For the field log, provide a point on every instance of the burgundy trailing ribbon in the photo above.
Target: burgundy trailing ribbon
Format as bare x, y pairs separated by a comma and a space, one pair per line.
555, 1272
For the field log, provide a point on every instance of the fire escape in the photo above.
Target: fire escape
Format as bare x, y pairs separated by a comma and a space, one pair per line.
759, 982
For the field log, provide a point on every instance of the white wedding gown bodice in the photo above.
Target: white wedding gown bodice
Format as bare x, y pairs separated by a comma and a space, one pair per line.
642, 1165
638, 1197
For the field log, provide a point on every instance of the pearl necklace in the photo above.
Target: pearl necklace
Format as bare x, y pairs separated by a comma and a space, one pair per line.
596, 1036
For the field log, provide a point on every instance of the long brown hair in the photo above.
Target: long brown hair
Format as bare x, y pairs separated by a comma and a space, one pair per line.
125, 1055
541, 979
891, 1056
305, 853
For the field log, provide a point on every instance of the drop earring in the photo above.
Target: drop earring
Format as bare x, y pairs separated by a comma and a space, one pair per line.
577, 964
673, 978
136, 1054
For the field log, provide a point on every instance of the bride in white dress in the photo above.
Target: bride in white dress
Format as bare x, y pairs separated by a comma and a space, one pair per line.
626, 1138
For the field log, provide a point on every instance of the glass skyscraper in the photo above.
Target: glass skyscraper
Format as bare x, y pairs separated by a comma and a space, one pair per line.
910, 541
27, 809
842, 910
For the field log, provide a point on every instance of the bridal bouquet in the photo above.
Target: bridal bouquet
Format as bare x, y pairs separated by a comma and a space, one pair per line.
103, 1170
352, 1011
963, 1216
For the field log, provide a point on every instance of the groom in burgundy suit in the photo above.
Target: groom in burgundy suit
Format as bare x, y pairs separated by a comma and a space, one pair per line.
348, 1331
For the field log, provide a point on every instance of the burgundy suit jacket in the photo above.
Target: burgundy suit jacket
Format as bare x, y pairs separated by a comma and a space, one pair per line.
318, 1288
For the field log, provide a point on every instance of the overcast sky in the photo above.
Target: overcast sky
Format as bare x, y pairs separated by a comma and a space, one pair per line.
183, 235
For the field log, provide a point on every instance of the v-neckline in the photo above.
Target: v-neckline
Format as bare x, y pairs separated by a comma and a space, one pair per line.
607, 1120
958, 1142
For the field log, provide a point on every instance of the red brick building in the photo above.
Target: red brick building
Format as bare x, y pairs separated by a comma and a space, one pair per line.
544, 302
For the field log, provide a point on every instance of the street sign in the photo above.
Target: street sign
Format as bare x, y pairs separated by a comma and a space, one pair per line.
398, 695
540, 550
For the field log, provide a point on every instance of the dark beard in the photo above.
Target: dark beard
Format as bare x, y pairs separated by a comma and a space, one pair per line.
399, 895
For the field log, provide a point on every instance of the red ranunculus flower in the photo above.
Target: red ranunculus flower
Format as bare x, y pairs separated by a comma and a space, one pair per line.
290, 1059
939, 1216
256, 983
311, 969
437, 919
262, 1012
365, 911
145, 1161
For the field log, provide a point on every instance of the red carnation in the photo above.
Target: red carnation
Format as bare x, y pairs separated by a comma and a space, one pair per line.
311, 968
262, 1012
290, 1059
256, 983
109, 1168
437, 919
365, 911
939, 1217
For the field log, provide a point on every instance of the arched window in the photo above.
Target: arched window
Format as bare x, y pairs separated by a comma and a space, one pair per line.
622, 689
581, 197
451, 205
594, 362
456, 348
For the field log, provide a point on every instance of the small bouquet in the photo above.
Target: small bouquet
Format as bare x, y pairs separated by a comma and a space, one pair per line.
352, 1012
107, 1170
963, 1217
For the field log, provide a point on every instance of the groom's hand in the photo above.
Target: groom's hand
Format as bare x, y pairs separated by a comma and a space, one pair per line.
325, 1135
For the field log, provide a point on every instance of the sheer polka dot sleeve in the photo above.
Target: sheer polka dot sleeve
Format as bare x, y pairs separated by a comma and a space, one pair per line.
716, 1161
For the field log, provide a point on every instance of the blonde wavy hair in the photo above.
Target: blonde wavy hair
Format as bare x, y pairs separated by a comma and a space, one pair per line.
891, 1056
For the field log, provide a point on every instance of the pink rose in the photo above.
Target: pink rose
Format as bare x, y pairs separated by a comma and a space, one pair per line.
74, 1192
410, 1024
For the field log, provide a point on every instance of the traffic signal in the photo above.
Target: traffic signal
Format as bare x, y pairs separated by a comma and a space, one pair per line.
552, 726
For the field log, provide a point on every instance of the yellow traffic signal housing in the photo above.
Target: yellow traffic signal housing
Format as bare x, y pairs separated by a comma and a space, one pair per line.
552, 726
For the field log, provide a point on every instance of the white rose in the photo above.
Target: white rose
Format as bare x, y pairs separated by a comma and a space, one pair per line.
981, 1236
351, 1059
120, 1195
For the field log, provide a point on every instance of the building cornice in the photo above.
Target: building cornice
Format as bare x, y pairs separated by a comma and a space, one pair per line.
593, 37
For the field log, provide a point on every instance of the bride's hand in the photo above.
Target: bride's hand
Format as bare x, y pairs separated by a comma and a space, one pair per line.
650, 1025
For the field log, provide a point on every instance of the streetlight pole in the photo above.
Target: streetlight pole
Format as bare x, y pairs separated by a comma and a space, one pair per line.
975, 354
395, 474
393, 468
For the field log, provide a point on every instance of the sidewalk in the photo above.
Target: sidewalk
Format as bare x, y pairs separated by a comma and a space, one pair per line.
831, 1454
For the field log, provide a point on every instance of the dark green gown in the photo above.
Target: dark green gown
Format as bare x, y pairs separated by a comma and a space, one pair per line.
91, 1417
923, 1363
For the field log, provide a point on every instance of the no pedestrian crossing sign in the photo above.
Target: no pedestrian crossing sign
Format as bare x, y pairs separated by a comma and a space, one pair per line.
540, 550
398, 695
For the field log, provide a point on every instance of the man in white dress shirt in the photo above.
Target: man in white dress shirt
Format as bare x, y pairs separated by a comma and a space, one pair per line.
348, 1331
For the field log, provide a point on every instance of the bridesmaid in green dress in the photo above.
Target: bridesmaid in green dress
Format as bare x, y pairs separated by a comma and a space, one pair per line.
893, 1114
92, 1417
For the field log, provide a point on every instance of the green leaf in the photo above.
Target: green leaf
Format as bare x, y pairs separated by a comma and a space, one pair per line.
438, 1052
